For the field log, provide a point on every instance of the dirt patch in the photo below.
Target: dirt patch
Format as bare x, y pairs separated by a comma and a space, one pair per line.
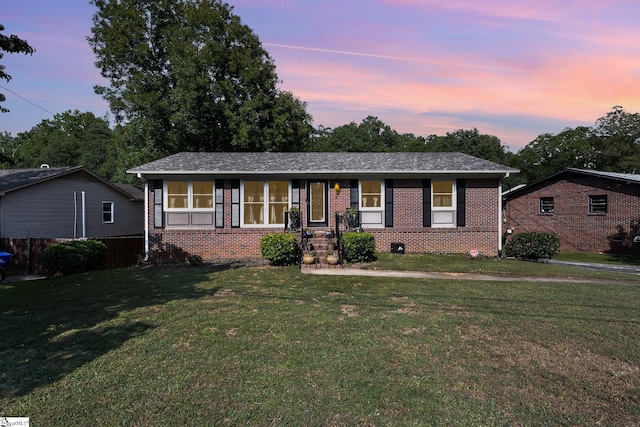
412, 331
348, 311
564, 376
225, 293
408, 308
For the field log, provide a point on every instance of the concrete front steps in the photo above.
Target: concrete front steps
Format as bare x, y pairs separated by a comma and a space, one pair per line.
322, 241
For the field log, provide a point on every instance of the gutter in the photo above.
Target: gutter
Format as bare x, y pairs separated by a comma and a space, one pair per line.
146, 220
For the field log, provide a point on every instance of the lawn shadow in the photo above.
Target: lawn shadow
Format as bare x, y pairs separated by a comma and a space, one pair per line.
51, 327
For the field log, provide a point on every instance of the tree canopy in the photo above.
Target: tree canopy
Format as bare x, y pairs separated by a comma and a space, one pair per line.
71, 138
187, 75
10, 44
617, 141
549, 153
471, 142
370, 135
612, 144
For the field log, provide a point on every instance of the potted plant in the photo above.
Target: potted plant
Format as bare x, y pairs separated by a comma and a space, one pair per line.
352, 218
309, 258
332, 258
294, 217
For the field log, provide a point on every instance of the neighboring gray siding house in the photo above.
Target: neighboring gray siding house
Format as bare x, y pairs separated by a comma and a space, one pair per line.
66, 202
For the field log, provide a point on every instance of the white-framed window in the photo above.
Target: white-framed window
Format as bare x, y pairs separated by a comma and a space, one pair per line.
189, 195
264, 203
107, 212
443, 203
371, 195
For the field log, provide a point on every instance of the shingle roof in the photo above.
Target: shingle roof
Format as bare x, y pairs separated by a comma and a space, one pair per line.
623, 177
319, 163
14, 179
631, 177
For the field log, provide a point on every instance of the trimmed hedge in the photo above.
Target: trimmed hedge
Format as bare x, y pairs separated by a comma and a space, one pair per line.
74, 257
532, 246
358, 247
280, 248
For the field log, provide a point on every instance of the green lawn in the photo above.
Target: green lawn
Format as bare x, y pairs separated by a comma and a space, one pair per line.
273, 346
630, 260
465, 264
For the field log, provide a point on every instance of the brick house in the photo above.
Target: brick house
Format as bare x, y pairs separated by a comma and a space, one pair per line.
590, 211
219, 205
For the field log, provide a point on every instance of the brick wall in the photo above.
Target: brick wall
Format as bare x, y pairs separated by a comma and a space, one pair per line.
480, 232
578, 230
213, 244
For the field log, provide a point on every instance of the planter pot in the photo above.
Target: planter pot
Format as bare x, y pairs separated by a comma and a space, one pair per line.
332, 259
308, 259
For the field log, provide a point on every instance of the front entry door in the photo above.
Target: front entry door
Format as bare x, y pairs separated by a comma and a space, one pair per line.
317, 191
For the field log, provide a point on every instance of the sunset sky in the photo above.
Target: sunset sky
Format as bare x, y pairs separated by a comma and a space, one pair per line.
510, 69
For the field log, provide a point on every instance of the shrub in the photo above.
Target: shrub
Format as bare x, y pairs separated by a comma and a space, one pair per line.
532, 246
358, 247
73, 257
194, 260
280, 248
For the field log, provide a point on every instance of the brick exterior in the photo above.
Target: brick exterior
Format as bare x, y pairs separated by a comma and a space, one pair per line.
578, 230
480, 232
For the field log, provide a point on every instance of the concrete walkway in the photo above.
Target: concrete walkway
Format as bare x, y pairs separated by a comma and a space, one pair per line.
22, 278
349, 271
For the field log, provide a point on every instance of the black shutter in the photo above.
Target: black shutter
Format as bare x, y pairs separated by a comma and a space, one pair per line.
355, 198
461, 191
388, 203
219, 200
158, 213
235, 203
426, 203
295, 193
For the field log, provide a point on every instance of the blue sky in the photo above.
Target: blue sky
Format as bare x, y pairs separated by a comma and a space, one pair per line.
511, 69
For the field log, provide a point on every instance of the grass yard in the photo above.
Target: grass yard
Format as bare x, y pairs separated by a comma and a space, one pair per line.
616, 259
272, 346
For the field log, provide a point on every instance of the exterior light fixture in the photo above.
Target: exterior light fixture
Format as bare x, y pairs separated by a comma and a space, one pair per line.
337, 188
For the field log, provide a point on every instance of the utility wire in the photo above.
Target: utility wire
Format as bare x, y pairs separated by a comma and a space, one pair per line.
25, 99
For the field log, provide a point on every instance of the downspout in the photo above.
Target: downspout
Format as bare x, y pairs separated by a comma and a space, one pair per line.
146, 220
84, 216
75, 214
500, 219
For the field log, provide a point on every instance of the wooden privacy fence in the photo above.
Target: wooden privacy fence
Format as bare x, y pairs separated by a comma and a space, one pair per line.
28, 253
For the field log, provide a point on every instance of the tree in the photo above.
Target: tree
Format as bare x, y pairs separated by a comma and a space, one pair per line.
188, 76
617, 140
69, 139
11, 44
369, 136
549, 153
471, 142
8, 150
612, 144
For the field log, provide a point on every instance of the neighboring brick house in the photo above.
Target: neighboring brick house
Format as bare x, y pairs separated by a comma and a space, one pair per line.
589, 211
66, 202
219, 205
